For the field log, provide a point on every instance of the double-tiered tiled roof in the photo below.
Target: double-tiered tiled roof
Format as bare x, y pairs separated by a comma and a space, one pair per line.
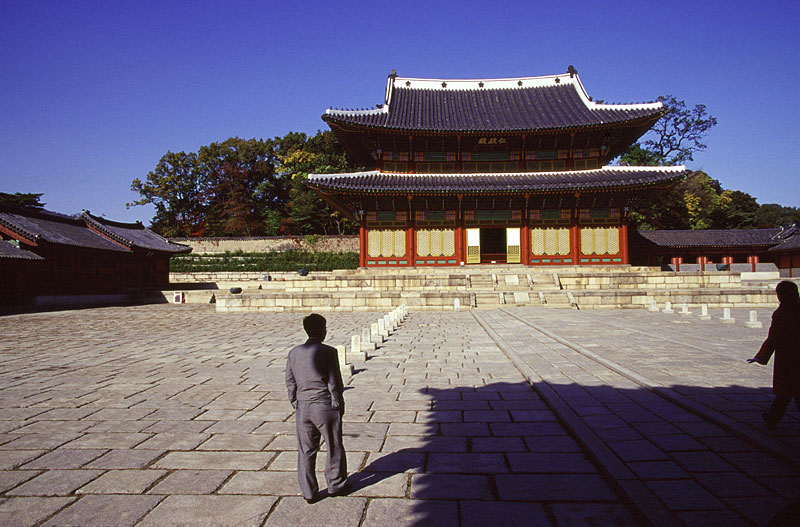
552, 102
606, 178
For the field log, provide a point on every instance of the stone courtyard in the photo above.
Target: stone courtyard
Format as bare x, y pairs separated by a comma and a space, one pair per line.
177, 415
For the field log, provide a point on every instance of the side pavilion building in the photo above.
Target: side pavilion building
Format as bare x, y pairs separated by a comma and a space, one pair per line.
491, 171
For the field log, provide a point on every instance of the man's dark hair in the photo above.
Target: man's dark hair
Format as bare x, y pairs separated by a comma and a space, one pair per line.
314, 324
787, 293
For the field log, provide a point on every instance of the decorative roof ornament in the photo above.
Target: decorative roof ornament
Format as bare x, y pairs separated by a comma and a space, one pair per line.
572, 71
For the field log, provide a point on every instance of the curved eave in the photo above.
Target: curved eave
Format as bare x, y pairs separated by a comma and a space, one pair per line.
371, 183
353, 126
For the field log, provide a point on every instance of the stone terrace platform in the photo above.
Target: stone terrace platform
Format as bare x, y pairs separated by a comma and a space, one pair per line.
476, 287
177, 415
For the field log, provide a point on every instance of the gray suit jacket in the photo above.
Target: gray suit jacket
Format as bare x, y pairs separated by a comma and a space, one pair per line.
313, 375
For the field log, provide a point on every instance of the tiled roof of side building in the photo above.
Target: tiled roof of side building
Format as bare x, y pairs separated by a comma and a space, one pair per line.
608, 177
9, 250
133, 235
519, 104
788, 239
52, 227
711, 237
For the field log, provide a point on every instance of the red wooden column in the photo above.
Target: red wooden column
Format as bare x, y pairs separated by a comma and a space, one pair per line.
411, 233
574, 243
411, 243
525, 233
623, 242
362, 241
461, 252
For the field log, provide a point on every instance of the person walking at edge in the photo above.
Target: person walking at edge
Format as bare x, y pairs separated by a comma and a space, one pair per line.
784, 341
315, 387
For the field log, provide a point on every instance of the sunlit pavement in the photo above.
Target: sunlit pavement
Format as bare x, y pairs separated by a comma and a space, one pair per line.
176, 415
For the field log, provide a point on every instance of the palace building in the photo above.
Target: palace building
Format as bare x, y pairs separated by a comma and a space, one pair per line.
460, 172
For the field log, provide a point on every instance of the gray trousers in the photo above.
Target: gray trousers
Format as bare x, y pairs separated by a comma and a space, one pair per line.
315, 421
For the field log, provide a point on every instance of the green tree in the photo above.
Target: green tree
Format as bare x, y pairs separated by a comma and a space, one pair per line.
674, 138
175, 188
774, 215
22, 199
245, 187
240, 184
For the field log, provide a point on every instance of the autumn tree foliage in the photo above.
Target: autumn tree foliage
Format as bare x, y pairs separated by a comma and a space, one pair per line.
245, 187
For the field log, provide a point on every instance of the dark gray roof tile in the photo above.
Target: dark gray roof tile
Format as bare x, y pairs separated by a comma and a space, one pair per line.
609, 177
525, 104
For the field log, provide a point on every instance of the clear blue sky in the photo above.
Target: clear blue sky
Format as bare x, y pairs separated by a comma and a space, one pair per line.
94, 93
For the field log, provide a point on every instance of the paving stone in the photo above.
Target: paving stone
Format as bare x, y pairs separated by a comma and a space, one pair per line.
215, 460
125, 459
395, 462
658, 470
56, 483
11, 478
383, 512
595, 514
499, 513
637, 450
64, 458
104, 510
471, 463
262, 482
12, 458
551, 462
173, 441
450, 486
553, 487
122, 482
191, 482
209, 511
684, 495
562, 443
24, 512
341, 511
235, 442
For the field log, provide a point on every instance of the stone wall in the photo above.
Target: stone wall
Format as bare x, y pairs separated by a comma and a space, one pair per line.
331, 244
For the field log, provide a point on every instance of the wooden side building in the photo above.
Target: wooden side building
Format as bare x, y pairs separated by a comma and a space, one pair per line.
47, 253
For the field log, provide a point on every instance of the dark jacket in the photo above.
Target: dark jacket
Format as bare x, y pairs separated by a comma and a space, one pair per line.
784, 342
313, 375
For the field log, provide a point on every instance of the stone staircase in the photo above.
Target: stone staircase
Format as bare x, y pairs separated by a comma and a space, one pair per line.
475, 287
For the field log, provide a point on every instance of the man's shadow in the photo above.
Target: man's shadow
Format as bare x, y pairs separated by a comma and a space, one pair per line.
497, 455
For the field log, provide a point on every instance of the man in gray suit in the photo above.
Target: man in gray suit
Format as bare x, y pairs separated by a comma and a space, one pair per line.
315, 388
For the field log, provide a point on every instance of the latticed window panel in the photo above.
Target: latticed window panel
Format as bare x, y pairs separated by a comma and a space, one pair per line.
513, 254
374, 243
551, 242
587, 241
600, 240
423, 245
563, 242
387, 243
448, 242
537, 241
436, 242
399, 243
612, 237
473, 254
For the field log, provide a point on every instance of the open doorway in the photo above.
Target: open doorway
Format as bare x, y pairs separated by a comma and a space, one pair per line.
493, 245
